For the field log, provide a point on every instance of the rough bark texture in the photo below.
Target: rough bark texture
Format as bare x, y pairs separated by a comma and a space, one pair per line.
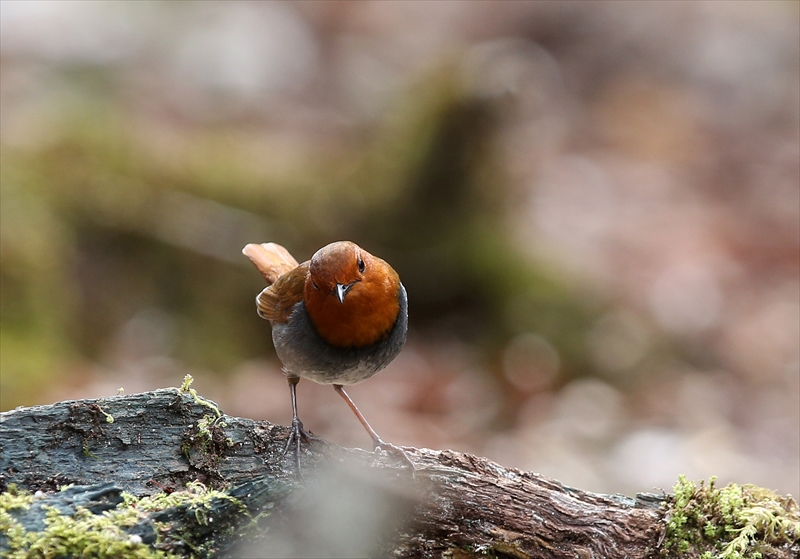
348, 503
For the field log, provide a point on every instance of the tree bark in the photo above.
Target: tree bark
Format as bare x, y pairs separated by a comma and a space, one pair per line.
345, 502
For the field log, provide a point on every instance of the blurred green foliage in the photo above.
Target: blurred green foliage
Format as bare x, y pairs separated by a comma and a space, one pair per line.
109, 217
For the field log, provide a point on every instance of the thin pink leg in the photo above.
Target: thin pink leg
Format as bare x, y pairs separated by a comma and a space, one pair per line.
377, 442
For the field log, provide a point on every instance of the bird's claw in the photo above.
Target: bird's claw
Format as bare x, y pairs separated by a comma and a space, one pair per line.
382, 445
297, 433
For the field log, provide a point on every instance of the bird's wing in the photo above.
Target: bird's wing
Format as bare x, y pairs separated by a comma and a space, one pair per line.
275, 303
271, 259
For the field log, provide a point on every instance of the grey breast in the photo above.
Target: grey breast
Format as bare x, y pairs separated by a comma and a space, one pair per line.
305, 354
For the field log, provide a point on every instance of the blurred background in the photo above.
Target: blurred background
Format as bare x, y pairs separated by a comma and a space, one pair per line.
595, 208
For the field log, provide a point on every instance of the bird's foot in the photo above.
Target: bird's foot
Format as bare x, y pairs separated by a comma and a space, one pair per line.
297, 433
379, 444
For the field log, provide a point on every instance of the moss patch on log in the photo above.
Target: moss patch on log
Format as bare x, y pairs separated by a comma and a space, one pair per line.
133, 528
734, 522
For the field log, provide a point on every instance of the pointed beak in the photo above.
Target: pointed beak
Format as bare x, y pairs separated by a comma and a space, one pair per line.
341, 290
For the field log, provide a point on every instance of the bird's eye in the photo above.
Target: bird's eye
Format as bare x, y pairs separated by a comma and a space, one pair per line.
314, 285
361, 265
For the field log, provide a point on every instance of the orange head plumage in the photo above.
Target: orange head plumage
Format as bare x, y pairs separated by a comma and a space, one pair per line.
350, 295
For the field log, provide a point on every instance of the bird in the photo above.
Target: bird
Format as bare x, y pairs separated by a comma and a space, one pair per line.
337, 319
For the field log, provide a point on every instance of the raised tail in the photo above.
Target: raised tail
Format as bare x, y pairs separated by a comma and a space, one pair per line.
271, 259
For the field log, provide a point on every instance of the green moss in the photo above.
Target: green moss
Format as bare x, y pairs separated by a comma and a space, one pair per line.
11, 500
108, 416
83, 535
729, 523
88, 535
85, 449
195, 495
185, 387
205, 428
102, 535
204, 443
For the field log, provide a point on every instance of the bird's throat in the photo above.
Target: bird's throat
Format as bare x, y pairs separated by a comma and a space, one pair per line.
364, 318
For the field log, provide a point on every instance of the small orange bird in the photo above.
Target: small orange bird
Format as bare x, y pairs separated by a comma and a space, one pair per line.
337, 319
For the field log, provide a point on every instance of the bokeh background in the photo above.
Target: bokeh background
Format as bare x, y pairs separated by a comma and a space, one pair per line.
595, 208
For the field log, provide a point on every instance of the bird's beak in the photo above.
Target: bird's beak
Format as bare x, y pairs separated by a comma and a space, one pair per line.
341, 290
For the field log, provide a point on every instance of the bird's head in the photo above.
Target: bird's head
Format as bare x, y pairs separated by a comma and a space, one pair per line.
351, 295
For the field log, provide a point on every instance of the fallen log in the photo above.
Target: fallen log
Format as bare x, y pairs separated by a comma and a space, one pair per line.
167, 474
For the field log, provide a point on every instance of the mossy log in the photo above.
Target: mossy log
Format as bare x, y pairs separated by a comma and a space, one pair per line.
165, 473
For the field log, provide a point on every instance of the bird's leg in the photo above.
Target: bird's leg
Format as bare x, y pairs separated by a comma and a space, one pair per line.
297, 432
377, 442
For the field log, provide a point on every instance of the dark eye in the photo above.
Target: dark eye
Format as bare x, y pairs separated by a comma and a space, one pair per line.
314, 285
361, 265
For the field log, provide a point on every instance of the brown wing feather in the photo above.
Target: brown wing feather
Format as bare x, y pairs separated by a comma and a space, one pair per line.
271, 259
275, 302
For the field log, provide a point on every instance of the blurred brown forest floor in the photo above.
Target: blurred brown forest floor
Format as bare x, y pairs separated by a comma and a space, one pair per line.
595, 208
